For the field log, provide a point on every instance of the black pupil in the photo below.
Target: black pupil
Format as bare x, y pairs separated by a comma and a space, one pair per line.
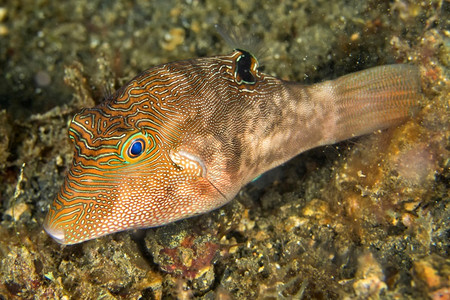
244, 64
137, 147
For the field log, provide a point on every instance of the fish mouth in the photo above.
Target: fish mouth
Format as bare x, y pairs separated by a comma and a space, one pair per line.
57, 234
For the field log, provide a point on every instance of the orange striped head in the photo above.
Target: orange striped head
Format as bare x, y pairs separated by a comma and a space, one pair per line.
143, 158
124, 177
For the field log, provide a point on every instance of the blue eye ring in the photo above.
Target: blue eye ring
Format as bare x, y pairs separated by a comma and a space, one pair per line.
136, 148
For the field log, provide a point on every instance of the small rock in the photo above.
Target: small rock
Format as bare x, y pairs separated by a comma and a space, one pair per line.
3, 13
174, 38
427, 273
3, 30
17, 210
370, 277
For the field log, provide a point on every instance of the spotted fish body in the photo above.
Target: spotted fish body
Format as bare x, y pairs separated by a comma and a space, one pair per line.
182, 138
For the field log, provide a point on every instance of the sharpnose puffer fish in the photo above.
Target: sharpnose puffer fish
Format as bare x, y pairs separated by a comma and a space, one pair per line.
183, 138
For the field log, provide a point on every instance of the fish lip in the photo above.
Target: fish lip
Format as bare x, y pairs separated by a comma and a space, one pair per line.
57, 234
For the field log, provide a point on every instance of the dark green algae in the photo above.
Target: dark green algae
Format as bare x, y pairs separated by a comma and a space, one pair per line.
366, 218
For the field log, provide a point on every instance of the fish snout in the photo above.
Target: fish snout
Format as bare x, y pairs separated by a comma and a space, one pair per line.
57, 233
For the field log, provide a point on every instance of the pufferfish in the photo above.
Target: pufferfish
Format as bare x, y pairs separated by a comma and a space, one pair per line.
182, 139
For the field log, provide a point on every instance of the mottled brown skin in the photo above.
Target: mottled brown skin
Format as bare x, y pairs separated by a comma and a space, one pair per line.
208, 126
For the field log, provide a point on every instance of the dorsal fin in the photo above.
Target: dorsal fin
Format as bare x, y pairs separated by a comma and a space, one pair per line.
236, 38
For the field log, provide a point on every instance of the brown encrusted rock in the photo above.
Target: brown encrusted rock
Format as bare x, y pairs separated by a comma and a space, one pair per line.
433, 274
184, 254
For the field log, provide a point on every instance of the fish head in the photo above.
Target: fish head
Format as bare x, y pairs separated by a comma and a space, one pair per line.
125, 176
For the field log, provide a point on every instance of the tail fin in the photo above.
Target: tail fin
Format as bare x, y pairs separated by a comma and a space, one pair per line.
373, 99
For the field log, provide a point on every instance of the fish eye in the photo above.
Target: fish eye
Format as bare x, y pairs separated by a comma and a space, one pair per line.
246, 65
136, 148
